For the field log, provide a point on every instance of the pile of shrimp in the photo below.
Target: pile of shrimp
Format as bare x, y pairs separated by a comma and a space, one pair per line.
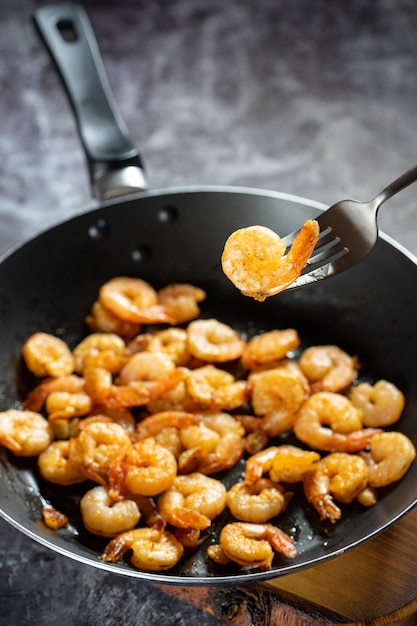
150, 421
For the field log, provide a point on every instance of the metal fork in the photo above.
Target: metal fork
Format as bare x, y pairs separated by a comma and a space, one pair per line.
348, 232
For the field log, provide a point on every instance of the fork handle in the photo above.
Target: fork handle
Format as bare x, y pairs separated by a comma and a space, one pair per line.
400, 183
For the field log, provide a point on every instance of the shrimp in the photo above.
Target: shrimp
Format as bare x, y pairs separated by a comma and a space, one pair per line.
389, 459
277, 395
212, 388
94, 344
36, 399
145, 468
192, 501
213, 341
182, 300
328, 368
253, 545
55, 467
25, 433
381, 404
254, 259
146, 366
284, 463
329, 421
63, 405
339, 475
269, 348
94, 448
100, 320
257, 502
104, 516
153, 424
171, 341
216, 444
133, 300
47, 355
152, 549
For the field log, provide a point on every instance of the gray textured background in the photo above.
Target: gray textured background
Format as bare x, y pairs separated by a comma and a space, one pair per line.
309, 97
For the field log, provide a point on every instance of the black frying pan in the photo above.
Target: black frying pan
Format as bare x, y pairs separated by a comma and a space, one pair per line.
50, 282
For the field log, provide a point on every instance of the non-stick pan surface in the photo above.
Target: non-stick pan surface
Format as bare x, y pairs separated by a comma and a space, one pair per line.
50, 282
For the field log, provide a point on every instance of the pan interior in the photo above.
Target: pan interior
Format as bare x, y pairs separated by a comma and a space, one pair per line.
50, 283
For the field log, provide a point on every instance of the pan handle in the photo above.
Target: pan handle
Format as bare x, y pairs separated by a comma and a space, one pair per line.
114, 162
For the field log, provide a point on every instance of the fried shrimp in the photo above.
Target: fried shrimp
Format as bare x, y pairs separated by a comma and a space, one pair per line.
254, 544
212, 388
145, 468
258, 502
63, 405
96, 445
146, 366
389, 459
36, 399
213, 341
54, 465
328, 368
172, 342
192, 501
269, 348
24, 433
100, 320
181, 300
104, 516
47, 355
152, 549
329, 421
277, 395
94, 344
133, 300
381, 404
339, 475
254, 259
284, 463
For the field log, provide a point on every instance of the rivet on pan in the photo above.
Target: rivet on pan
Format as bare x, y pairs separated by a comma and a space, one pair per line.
142, 253
168, 214
99, 230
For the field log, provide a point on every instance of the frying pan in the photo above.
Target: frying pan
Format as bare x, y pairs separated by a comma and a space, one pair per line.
177, 235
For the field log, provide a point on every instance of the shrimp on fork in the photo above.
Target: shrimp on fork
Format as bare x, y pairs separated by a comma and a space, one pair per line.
254, 259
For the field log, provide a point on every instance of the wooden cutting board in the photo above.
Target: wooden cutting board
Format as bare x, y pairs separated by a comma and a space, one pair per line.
372, 585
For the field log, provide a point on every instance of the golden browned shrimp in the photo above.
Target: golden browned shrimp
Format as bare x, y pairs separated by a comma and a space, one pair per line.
339, 475
152, 549
153, 424
95, 447
146, 366
181, 300
213, 341
170, 341
258, 502
381, 404
104, 516
284, 463
145, 468
212, 388
133, 300
94, 344
254, 259
216, 444
192, 501
25, 433
54, 465
47, 355
277, 395
329, 421
389, 459
253, 545
35, 400
100, 320
328, 368
269, 348
63, 405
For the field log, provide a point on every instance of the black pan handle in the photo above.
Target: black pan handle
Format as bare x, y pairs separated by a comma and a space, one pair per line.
114, 162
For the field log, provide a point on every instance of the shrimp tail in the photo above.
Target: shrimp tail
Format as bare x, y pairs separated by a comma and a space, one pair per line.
280, 541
